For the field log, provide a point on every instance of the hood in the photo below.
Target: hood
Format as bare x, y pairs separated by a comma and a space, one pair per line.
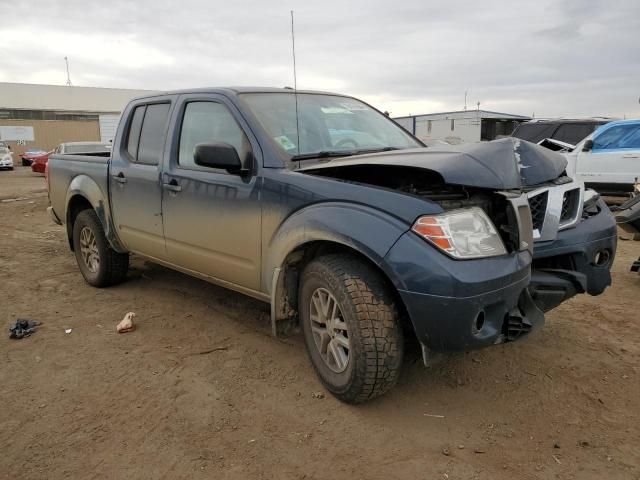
505, 164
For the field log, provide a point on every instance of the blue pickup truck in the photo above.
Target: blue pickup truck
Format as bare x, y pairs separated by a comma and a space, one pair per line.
346, 224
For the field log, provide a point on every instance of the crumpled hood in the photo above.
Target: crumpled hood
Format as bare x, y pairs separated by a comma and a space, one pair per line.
505, 164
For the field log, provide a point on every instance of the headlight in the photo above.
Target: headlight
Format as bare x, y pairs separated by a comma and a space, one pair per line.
463, 234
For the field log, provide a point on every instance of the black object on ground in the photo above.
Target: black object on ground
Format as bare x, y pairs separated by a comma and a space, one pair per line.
22, 328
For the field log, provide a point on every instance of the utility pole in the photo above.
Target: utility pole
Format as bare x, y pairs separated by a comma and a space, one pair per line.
66, 61
465, 100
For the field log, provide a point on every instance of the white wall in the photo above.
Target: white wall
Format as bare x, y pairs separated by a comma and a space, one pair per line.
406, 123
465, 130
60, 97
108, 127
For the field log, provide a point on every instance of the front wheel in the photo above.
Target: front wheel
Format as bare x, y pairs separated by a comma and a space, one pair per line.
350, 327
100, 265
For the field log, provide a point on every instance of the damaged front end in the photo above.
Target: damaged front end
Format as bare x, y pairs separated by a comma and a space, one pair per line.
559, 240
575, 242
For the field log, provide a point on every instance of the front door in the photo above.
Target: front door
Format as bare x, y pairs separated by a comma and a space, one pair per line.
614, 157
134, 183
212, 217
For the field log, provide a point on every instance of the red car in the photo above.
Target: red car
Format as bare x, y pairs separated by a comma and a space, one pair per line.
28, 156
39, 163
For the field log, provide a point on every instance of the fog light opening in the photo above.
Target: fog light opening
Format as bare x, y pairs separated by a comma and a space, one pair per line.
602, 258
478, 323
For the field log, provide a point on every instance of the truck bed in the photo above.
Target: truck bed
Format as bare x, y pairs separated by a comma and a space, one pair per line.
65, 170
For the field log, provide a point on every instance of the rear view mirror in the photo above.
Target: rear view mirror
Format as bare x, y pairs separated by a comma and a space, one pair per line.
588, 145
218, 155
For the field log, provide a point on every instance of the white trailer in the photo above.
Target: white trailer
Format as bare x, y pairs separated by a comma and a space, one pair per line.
465, 126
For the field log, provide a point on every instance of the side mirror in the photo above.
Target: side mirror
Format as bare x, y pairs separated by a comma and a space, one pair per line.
218, 155
588, 145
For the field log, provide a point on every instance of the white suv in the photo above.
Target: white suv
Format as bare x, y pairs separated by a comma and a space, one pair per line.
6, 157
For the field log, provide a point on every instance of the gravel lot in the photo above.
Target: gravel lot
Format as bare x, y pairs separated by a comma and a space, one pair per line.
201, 390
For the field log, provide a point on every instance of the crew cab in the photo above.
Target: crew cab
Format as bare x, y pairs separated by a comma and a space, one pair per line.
345, 223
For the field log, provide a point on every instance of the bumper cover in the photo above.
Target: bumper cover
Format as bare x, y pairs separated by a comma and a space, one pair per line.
463, 304
578, 261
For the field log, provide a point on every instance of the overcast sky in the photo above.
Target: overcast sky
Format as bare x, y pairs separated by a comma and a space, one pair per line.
551, 57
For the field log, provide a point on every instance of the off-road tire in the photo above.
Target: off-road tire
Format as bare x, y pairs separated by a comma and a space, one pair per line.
112, 267
375, 334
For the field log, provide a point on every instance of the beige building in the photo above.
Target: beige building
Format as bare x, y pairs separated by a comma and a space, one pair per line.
44, 116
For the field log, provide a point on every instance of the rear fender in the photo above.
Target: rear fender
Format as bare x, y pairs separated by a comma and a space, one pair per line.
87, 188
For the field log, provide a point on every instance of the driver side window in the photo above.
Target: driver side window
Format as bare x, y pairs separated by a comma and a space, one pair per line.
621, 136
208, 122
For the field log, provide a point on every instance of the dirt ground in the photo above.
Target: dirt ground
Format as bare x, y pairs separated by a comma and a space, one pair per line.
201, 389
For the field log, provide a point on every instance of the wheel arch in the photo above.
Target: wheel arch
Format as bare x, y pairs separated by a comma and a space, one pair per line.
286, 282
84, 193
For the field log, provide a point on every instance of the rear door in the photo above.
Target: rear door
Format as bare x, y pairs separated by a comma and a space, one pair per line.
136, 194
212, 218
614, 158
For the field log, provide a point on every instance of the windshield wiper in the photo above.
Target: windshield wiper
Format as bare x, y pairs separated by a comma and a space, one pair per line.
340, 153
322, 154
374, 150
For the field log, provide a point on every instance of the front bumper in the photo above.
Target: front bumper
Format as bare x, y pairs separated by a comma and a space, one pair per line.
37, 167
462, 304
578, 261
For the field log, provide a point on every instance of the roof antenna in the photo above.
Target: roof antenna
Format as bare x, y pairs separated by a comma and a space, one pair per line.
66, 61
295, 80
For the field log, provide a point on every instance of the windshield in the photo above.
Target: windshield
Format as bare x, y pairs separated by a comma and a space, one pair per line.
85, 148
326, 124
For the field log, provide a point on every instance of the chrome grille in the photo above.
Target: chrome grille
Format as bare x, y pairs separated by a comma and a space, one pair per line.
569, 205
538, 206
555, 208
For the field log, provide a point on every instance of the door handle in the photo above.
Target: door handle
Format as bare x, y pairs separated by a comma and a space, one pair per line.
120, 178
172, 186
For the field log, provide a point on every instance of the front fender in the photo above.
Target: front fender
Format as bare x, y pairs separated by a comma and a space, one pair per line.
362, 228
84, 186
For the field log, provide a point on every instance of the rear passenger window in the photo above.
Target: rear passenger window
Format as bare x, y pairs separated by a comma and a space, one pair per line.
208, 122
152, 134
134, 132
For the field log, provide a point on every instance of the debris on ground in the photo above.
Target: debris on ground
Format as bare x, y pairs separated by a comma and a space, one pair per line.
68, 330
445, 451
22, 328
126, 324
318, 395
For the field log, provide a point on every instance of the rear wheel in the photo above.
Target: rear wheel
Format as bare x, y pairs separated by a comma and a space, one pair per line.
100, 265
350, 327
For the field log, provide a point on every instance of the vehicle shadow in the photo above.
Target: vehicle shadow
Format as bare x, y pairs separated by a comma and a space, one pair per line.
445, 374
